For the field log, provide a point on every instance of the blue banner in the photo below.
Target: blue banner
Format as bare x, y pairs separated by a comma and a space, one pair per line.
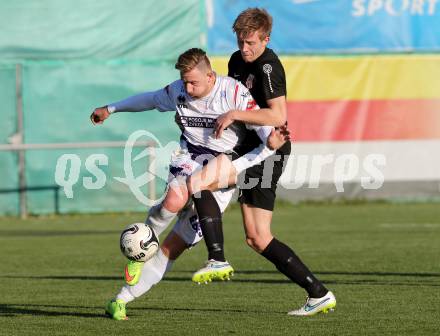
333, 26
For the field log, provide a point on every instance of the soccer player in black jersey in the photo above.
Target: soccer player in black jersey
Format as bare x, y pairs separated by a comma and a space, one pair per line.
260, 70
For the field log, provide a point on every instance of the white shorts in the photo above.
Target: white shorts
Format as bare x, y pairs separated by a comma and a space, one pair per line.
187, 226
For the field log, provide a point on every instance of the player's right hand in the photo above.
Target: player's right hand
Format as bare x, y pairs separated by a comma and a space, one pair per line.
99, 115
278, 137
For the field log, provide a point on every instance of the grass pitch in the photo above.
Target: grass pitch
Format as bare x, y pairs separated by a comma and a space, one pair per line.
382, 261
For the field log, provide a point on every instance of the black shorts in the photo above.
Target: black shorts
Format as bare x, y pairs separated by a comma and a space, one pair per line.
258, 185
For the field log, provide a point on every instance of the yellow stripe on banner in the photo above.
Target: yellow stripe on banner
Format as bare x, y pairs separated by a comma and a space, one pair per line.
357, 77
220, 64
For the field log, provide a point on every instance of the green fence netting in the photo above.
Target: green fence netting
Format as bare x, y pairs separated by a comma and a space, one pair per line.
9, 196
102, 29
58, 99
75, 56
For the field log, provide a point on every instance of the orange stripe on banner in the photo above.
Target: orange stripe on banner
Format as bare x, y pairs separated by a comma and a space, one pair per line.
364, 120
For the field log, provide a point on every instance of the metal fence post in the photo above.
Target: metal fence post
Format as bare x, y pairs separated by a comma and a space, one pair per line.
20, 138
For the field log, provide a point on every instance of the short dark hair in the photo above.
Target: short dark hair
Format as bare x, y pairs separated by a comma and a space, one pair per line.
252, 20
191, 58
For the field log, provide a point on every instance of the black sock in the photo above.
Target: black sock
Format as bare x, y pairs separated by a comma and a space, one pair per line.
210, 219
288, 263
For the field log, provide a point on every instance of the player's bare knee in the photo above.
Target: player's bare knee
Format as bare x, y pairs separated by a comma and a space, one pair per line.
174, 202
254, 243
168, 204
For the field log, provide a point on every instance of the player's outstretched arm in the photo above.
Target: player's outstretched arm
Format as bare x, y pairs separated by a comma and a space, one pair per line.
146, 101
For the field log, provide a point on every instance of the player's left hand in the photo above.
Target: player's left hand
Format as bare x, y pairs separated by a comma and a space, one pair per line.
99, 114
222, 123
278, 137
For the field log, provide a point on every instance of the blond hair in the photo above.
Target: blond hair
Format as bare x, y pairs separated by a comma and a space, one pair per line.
252, 20
192, 58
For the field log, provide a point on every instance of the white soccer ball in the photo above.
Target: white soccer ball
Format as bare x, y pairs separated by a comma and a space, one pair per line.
139, 242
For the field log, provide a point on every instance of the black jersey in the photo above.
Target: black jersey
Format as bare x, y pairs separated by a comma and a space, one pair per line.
265, 79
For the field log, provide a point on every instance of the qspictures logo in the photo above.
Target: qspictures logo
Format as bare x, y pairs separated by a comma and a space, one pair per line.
307, 172
68, 168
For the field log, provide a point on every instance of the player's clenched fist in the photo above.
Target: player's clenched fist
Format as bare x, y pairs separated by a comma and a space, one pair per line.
99, 115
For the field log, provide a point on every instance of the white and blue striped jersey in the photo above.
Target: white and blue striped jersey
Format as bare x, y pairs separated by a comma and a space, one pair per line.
197, 116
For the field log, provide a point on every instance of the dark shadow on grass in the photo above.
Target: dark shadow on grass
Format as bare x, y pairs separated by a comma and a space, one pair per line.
63, 277
240, 278
53, 233
115, 278
21, 309
382, 283
416, 274
50, 306
234, 279
212, 310
373, 282
400, 274
12, 310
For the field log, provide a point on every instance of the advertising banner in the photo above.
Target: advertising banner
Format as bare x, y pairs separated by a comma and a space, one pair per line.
334, 26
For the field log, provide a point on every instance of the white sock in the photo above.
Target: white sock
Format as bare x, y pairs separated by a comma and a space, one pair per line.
159, 218
152, 272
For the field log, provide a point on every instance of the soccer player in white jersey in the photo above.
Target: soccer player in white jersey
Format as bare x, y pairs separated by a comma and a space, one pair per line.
199, 97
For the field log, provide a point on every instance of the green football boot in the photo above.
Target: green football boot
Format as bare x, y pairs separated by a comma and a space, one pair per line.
116, 310
213, 270
132, 272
